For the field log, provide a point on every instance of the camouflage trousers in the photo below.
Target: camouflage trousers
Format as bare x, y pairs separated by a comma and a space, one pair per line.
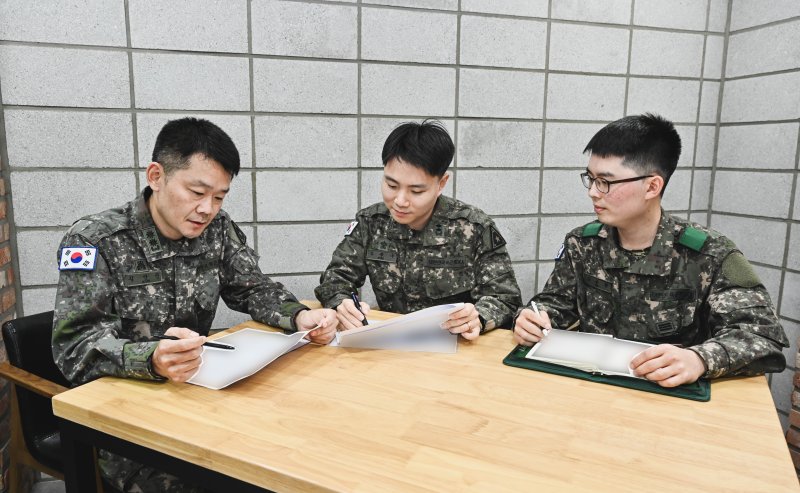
128, 476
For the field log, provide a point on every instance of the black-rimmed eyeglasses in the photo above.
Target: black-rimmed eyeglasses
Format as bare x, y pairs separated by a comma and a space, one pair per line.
603, 185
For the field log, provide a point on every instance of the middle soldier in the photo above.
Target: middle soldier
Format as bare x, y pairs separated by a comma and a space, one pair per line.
421, 248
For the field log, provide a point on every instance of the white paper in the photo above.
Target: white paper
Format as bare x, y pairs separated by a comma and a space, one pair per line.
255, 349
597, 353
416, 331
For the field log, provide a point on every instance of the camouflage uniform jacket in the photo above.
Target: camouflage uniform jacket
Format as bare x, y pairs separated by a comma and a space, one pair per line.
693, 288
458, 257
144, 283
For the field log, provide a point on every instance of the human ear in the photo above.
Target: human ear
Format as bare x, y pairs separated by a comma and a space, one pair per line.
442, 183
655, 185
155, 174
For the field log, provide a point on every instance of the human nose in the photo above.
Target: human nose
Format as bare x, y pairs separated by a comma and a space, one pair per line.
401, 199
206, 205
594, 190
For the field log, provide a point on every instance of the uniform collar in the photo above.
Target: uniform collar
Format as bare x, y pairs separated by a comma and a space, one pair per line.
155, 245
657, 262
434, 233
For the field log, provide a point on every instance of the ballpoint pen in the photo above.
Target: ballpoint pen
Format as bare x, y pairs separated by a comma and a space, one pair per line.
355, 299
216, 345
536, 310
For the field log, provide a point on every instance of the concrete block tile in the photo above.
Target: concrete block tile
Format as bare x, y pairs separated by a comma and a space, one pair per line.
553, 231
796, 211
302, 286
767, 49
792, 330
709, 101
288, 248
527, 8
305, 29
771, 279
37, 300
699, 217
676, 14
171, 81
665, 53
766, 146
762, 194
718, 15
492, 143
39, 256
790, 299
68, 139
563, 193
760, 240
781, 385
236, 126
701, 187
677, 194
91, 22
544, 270
608, 11
706, 142
772, 97
305, 86
502, 42
713, 58
408, 36
520, 236
526, 279
583, 48
163, 25
368, 295
408, 90
686, 133
675, 100
585, 97
500, 192
239, 200
40, 76
305, 195
372, 180
420, 4
374, 132
298, 142
564, 143
793, 260
61, 189
499, 93
746, 13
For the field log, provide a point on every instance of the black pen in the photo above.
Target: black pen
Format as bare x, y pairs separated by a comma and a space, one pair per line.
354, 296
217, 345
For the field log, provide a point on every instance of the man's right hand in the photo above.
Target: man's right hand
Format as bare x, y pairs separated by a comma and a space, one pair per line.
349, 317
528, 327
178, 360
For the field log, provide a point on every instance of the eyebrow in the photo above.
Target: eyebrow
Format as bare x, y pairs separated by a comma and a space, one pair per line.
395, 182
604, 174
201, 183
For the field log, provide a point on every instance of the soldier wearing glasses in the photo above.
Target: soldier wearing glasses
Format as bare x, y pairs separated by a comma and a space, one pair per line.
641, 274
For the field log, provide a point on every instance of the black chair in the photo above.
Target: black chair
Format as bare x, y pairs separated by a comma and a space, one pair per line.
35, 434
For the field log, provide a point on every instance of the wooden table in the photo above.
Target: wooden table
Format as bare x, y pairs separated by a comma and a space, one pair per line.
350, 420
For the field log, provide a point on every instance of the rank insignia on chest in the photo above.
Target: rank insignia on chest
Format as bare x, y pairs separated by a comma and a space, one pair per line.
78, 258
350, 228
151, 241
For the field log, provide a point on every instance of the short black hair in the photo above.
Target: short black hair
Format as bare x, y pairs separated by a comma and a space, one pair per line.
647, 143
426, 145
180, 139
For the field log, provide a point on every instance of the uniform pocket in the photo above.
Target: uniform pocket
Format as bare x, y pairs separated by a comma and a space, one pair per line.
444, 282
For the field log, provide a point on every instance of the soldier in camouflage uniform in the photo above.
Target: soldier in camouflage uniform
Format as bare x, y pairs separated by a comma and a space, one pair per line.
421, 248
641, 274
158, 265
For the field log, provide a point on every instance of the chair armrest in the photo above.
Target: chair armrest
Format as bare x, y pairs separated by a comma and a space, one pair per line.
30, 381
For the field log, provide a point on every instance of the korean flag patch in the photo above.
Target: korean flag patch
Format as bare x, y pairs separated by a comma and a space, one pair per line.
350, 228
78, 258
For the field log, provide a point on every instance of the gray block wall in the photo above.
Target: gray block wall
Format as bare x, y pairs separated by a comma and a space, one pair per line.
309, 89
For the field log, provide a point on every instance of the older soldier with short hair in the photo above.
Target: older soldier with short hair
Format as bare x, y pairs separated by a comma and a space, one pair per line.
421, 248
158, 265
640, 273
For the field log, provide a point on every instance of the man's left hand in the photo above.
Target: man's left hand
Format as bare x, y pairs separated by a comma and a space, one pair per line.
668, 365
465, 322
325, 318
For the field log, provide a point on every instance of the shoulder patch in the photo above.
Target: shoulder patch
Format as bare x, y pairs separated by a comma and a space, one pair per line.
78, 258
693, 238
592, 229
350, 228
236, 234
560, 252
738, 270
496, 240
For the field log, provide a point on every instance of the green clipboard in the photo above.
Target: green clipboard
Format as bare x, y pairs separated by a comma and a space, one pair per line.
697, 391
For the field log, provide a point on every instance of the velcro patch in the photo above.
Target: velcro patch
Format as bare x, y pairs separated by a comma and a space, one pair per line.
350, 228
738, 270
496, 240
78, 258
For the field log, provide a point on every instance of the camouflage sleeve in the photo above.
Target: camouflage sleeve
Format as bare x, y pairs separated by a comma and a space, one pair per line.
496, 292
246, 289
347, 269
85, 328
746, 336
559, 297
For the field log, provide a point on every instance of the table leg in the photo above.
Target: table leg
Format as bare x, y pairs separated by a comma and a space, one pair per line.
80, 475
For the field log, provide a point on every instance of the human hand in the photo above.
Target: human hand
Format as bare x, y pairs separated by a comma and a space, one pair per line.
528, 327
349, 316
668, 365
323, 318
178, 360
464, 321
